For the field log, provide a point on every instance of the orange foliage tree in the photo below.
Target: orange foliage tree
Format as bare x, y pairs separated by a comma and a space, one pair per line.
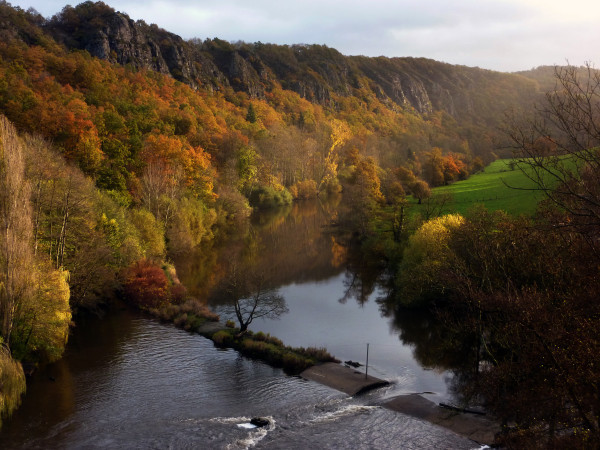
146, 285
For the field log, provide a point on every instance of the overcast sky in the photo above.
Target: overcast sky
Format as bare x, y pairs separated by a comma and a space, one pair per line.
505, 35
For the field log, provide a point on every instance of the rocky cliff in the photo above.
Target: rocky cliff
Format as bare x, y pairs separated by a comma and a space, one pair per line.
317, 73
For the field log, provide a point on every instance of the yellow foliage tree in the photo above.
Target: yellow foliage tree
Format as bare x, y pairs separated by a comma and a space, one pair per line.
340, 133
42, 321
12, 384
425, 258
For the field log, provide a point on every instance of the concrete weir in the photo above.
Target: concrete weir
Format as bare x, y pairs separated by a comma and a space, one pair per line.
478, 428
342, 378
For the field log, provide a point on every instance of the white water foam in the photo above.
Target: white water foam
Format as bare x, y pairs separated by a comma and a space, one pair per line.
254, 437
230, 419
342, 412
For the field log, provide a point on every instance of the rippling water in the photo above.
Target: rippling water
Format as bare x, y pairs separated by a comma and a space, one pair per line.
130, 382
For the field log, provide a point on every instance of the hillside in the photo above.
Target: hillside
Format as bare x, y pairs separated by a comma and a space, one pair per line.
106, 89
317, 73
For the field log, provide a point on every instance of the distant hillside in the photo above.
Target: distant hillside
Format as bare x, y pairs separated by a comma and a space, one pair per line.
317, 73
111, 93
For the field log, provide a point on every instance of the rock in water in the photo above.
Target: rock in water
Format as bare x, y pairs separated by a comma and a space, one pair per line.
260, 421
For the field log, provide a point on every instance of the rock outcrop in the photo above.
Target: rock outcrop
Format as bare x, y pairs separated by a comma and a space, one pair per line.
316, 72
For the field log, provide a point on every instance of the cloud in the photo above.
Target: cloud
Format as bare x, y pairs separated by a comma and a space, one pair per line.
495, 34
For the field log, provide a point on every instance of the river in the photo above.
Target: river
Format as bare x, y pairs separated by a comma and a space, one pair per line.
128, 381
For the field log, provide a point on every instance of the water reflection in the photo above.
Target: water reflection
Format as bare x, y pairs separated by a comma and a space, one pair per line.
337, 298
288, 244
131, 382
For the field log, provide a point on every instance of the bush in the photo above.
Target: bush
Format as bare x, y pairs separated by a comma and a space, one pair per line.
178, 293
318, 354
425, 259
12, 384
230, 324
271, 350
268, 197
222, 338
146, 285
303, 190
273, 340
260, 336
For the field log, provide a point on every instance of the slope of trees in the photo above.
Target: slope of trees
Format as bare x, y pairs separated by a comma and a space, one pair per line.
141, 133
524, 290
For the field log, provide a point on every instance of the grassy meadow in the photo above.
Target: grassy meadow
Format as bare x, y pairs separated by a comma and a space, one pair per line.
498, 187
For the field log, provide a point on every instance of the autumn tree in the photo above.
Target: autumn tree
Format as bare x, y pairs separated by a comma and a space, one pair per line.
42, 321
426, 256
146, 285
433, 168
16, 255
420, 190
339, 135
362, 194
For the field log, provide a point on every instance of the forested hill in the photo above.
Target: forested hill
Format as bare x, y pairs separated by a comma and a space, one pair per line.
113, 95
318, 73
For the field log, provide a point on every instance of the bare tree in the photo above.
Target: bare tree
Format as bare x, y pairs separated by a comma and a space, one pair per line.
250, 296
559, 150
161, 186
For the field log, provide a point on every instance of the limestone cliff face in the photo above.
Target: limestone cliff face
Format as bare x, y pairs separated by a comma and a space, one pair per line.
315, 72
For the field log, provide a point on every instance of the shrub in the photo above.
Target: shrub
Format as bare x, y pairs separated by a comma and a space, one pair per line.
293, 363
181, 320
230, 324
303, 190
425, 259
222, 338
268, 197
192, 308
318, 354
146, 285
273, 340
12, 383
260, 336
178, 293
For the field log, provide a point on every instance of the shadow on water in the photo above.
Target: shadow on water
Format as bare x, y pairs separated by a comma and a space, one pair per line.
52, 395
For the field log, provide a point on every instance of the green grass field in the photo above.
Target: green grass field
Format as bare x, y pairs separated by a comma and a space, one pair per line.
496, 188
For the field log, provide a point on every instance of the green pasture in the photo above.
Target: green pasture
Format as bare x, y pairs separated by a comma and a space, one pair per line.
501, 186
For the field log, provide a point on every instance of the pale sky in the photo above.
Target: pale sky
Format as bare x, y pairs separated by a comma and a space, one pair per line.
505, 35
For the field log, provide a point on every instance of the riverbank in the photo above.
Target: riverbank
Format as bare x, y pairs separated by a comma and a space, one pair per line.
267, 348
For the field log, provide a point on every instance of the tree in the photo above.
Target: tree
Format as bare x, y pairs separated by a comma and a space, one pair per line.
146, 285
251, 115
434, 167
16, 255
362, 194
560, 149
420, 189
425, 258
42, 321
250, 296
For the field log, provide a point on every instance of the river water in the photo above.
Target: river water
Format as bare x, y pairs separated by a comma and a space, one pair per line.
128, 381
